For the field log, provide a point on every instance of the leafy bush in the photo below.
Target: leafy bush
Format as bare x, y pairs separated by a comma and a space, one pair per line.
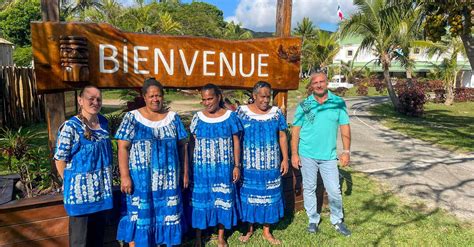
340, 91
362, 89
379, 86
23, 56
29, 161
412, 100
433, 85
464, 94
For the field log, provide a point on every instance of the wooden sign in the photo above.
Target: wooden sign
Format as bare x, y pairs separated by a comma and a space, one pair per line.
67, 55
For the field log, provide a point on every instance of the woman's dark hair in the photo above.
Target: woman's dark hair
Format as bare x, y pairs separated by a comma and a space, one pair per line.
217, 92
256, 87
81, 92
260, 84
151, 82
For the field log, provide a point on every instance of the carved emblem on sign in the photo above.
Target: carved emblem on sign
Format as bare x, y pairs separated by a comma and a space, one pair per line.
292, 54
74, 58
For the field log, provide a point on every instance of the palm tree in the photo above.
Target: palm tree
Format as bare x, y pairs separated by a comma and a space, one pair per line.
320, 50
235, 31
380, 25
110, 12
166, 24
448, 49
305, 29
77, 7
5, 4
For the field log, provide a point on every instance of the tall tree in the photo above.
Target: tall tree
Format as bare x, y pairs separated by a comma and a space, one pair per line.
320, 50
451, 17
305, 29
380, 26
235, 31
110, 12
15, 21
77, 7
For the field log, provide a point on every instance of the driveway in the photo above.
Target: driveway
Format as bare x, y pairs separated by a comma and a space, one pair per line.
411, 167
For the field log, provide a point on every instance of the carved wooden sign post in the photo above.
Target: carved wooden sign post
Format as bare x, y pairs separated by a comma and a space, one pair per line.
68, 55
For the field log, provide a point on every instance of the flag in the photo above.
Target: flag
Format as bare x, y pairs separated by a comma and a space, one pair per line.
339, 13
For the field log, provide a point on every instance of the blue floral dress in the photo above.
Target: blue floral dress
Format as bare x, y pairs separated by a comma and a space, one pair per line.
214, 199
261, 191
153, 213
88, 172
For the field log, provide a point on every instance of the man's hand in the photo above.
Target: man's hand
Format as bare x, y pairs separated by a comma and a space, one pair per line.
284, 167
344, 159
295, 161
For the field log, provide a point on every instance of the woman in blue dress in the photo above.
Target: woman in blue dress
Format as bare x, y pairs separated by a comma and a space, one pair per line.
83, 159
264, 160
151, 156
216, 165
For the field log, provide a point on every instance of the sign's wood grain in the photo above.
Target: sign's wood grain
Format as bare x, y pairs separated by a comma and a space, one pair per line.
119, 59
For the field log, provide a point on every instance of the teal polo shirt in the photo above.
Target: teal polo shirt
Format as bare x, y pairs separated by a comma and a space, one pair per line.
319, 126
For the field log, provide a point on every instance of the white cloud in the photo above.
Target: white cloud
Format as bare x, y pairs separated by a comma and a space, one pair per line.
260, 15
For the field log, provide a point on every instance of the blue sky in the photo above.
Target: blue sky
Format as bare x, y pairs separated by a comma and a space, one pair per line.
259, 15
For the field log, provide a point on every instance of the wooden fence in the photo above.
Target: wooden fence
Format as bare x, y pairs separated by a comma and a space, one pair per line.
19, 102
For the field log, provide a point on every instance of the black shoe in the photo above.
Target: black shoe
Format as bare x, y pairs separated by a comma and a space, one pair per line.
312, 228
342, 229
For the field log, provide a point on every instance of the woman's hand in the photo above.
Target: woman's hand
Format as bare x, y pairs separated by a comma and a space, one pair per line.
126, 185
284, 167
235, 174
185, 181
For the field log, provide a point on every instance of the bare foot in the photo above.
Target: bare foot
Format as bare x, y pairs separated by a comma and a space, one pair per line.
272, 240
245, 238
222, 243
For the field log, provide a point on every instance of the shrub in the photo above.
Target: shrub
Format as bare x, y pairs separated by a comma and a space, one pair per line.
464, 94
433, 85
379, 86
29, 161
412, 100
362, 89
340, 91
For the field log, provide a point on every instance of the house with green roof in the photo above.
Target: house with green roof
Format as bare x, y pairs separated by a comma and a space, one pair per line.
423, 64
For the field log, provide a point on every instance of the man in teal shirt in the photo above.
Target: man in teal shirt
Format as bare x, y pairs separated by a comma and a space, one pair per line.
313, 148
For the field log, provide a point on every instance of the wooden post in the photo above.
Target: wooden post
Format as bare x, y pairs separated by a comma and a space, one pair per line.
54, 102
283, 29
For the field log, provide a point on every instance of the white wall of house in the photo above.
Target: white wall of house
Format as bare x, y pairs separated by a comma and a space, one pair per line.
347, 53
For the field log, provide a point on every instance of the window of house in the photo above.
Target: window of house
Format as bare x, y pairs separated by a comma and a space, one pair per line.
349, 53
416, 51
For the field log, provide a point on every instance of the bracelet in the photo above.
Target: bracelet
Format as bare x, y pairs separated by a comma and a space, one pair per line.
346, 151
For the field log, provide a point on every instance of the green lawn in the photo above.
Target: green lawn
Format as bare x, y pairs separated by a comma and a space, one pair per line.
372, 92
376, 217
448, 126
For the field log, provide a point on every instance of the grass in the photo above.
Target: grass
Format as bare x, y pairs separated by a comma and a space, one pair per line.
351, 92
451, 127
376, 217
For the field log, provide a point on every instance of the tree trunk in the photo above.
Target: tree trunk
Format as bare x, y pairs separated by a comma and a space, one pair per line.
409, 77
468, 41
450, 91
390, 89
